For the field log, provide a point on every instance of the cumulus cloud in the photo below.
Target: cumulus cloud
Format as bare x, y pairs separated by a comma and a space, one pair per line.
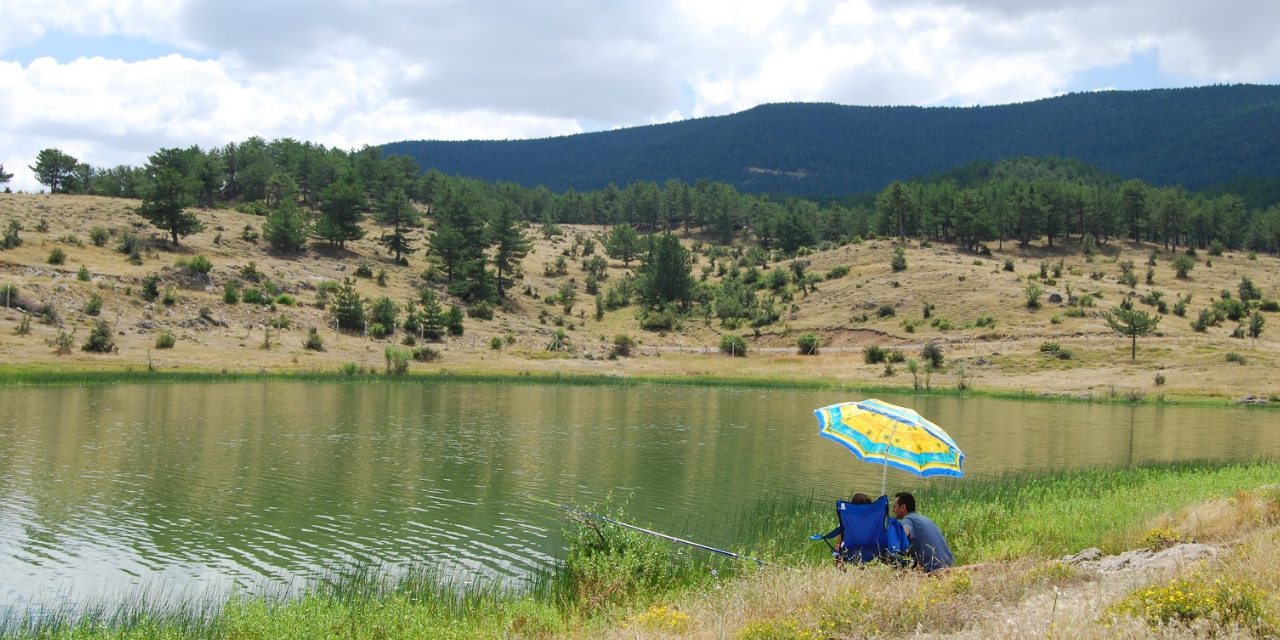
346, 74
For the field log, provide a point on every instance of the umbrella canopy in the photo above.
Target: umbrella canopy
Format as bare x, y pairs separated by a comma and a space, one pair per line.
898, 437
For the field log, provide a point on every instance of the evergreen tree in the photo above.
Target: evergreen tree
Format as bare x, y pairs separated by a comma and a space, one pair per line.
347, 307
287, 227
5, 177
457, 238
342, 206
1131, 322
54, 169
165, 201
623, 243
397, 211
510, 245
432, 315
666, 274
893, 204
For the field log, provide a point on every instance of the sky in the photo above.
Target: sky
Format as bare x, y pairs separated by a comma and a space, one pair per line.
112, 81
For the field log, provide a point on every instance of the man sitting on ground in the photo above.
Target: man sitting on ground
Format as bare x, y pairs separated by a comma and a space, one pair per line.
929, 549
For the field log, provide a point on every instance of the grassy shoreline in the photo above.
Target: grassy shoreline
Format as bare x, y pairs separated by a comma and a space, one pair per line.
615, 581
17, 375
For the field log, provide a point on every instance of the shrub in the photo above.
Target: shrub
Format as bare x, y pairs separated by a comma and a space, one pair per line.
253, 296
1216, 247
808, 344
838, 272
453, 320
83, 274
198, 264
1184, 600
933, 354
886, 310
733, 345
151, 286
1270, 306
94, 305
623, 344
231, 292
986, 321
1183, 265
63, 342
899, 261
313, 342
99, 340
481, 310
1033, 292
165, 340
495, 343
1074, 312
1008, 264
170, 297
1049, 347
99, 236
24, 325
57, 256
1236, 358
286, 300
397, 360
777, 279
426, 354
377, 330
873, 354
895, 356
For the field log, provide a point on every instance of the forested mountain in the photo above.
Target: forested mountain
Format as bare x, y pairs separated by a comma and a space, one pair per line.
1196, 137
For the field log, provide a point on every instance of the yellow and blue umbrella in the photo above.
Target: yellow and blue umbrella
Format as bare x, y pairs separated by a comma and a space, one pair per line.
879, 432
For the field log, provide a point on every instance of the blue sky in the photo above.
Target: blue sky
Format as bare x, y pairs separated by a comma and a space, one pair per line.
111, 81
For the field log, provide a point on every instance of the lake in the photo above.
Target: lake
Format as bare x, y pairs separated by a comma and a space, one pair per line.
184, 488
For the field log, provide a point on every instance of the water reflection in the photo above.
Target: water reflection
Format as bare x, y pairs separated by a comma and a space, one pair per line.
209, 486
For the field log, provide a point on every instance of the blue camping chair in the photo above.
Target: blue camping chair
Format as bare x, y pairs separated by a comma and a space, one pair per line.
867, 532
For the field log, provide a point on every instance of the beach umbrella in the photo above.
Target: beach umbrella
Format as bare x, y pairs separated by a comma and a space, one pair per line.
883, 433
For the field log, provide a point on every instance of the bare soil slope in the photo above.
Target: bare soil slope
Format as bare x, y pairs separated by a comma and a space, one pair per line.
844, 312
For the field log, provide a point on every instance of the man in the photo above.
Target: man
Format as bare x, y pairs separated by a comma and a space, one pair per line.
929, 549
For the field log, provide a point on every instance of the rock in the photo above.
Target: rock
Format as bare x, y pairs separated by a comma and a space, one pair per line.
1251, 399
1055, 298
1092, 553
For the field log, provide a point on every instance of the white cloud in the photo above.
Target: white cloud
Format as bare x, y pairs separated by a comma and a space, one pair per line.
345, 73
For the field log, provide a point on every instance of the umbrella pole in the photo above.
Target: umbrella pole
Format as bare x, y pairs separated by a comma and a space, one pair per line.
884, 477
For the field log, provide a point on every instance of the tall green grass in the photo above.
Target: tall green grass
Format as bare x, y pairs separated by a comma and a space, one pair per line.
1021, 514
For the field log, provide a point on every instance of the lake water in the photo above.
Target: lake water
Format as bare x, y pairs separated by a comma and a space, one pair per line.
176, 489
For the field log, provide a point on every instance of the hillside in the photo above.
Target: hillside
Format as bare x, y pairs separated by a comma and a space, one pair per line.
212, 335
1197, 137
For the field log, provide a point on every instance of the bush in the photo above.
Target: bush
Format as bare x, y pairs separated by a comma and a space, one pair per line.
377, 330
733, 345
253, 296
899, 261
986, 321
808, 344
933, 354
1008, 264
1183, 265
151, 286
895, 356
198, 264
1033, 292
94, 305
481, 310
873, 354
495, 343
99, 236
99, 339
886, 310
838, 272
313, 342
286, 300
609, 564
363, 270
1236, 358
1049, 347
165, 340
57, 256
83, 274
397, 360
623, 344
426, 354
231, 292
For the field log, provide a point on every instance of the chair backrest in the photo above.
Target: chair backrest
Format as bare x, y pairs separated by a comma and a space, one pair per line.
868, 530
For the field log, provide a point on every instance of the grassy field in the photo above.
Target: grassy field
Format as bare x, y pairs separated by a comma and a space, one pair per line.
1006, 531
963, 289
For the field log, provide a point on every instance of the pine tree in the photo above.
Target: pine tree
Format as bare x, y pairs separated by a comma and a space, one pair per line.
347, 307
397, 211
1132, 323
165, 203
665, 277
510, 245
288, 226
342, 206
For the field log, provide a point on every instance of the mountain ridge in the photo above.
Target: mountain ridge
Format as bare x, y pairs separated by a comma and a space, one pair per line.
1198, 137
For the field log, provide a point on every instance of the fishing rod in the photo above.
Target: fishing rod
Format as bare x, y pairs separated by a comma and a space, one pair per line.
662, 535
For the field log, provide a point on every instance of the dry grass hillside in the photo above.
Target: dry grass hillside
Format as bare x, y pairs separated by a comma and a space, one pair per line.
844, 312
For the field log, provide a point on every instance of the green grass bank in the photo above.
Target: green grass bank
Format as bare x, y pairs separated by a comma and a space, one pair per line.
611, 575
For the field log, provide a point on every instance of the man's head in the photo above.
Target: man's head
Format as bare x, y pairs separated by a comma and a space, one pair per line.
860, 498
903, 503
